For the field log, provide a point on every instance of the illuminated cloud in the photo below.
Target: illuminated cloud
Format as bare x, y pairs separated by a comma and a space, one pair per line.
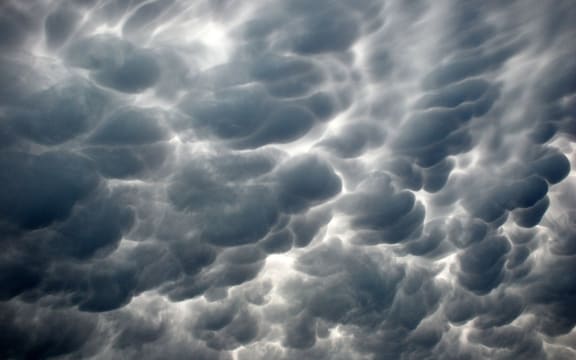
287, 179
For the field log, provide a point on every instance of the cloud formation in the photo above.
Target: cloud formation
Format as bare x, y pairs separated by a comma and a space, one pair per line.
287, 179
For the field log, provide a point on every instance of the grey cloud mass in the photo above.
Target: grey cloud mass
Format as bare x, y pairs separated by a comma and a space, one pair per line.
287, 179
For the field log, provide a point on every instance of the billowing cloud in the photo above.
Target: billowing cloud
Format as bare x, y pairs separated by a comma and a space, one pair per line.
287, 179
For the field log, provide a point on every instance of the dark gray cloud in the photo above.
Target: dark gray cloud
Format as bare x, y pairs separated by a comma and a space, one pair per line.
227, 180
38, 190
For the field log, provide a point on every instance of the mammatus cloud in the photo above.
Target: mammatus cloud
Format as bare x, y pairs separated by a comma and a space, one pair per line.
287, 179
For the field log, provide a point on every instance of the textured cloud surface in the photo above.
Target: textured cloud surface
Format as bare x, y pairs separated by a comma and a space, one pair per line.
287, 179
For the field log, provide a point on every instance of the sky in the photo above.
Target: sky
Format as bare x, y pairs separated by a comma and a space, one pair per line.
287, 179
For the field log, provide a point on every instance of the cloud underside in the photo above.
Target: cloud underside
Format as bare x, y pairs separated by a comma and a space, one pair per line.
287, 179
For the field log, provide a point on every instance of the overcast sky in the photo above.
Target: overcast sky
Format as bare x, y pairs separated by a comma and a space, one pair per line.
287, 179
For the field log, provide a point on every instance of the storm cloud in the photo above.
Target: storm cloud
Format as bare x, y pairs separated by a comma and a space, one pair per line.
287, 179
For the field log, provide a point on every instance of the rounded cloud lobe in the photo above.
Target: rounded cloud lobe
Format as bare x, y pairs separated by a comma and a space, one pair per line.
287, 179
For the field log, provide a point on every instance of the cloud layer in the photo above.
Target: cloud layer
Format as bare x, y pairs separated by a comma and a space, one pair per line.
287, 179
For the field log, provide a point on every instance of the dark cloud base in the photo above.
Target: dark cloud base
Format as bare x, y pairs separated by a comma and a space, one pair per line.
287, 179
